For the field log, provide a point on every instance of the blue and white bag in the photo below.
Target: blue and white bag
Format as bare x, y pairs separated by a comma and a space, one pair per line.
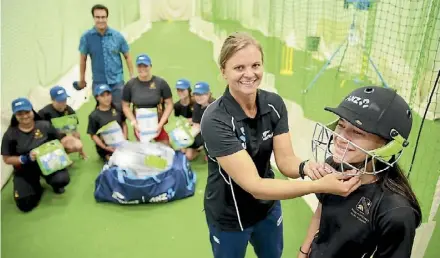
122, 186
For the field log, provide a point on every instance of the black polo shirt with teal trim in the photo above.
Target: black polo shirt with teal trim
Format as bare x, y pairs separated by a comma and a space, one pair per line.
226, 129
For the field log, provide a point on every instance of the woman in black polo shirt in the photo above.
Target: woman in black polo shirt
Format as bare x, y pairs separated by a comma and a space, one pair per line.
26, 132
380, 218
241, 129
148, 91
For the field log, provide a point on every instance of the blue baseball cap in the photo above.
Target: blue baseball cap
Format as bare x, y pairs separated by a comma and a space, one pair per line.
183, 84
201, 88
58, 94
21, 104
143, 59
101, 89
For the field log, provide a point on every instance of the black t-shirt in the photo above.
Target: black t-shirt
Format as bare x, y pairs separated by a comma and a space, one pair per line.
226, 129
368, 219
99, 118
181, 110
16, 142
198, 112
146, 94
49, 112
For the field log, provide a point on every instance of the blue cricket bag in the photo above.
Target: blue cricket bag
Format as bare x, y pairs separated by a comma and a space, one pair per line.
123, 187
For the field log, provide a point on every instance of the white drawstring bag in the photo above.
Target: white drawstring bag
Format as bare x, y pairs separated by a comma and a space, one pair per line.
143, 158
148, 122
112, 134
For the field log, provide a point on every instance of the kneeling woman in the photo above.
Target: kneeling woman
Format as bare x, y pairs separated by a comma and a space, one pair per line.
26, 132
203, 98
380, 218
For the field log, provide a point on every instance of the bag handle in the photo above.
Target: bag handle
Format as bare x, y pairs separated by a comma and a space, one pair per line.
121, 173
190, 181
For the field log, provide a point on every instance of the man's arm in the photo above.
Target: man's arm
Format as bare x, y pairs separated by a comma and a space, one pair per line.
125, 51
129, 64
82, 61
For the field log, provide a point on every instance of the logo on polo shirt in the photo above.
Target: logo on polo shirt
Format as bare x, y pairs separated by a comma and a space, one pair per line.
362, 210
267, 135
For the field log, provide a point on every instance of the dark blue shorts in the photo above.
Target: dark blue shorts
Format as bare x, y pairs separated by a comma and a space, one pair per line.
266, 237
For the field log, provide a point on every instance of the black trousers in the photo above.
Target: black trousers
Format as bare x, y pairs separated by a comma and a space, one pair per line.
28, 190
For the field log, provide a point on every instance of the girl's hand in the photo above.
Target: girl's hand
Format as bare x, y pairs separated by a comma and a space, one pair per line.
33, 155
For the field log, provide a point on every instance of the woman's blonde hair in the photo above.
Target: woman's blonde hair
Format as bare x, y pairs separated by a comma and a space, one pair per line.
234, 43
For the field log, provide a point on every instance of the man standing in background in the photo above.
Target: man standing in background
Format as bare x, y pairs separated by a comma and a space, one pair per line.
104, 46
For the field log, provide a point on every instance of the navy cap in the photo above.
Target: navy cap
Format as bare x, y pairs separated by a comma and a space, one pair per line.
376, 110
21, 104
58, 94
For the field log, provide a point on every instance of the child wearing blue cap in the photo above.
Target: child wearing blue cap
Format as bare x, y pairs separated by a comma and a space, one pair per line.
184, 106
104, 113
59, 108
26, 132
203, 98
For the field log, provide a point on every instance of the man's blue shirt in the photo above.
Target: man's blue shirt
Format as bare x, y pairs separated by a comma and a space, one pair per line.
104, 51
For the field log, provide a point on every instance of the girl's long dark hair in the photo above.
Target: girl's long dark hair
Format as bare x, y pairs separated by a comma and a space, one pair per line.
112, 106
14, 121
394, 180
192, 100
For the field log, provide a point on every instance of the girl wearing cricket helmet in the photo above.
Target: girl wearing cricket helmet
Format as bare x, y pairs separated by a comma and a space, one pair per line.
380, 218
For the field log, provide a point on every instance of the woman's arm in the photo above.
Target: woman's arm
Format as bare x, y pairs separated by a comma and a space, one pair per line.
287, 161
125, 130
311, 232
12, 160
168, 110
241, 168
101, 144
19, 160
127, 111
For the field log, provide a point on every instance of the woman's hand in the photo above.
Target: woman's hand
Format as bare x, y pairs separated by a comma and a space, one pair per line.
301, 255
33, 155
338, 184
159, 129
135, 126
316, 170
110, 149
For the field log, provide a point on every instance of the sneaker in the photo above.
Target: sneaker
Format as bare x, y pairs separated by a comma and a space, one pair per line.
59, 190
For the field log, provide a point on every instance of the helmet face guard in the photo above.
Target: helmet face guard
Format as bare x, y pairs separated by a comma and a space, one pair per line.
323, 150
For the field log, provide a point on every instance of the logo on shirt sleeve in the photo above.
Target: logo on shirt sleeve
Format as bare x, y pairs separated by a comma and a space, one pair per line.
243, 138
